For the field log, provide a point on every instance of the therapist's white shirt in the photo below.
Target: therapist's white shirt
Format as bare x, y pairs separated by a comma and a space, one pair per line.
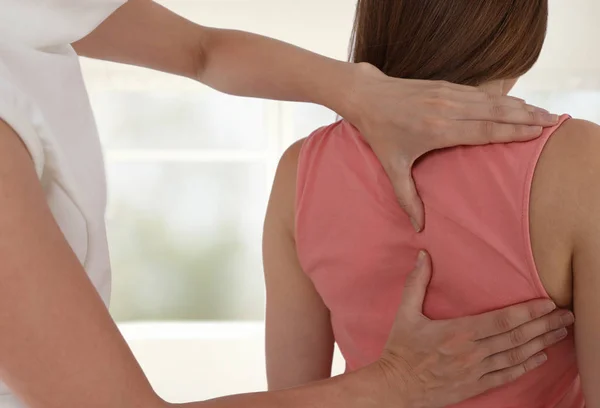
43, 98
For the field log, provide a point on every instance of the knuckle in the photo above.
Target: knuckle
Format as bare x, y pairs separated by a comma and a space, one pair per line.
520, 130
492, 99
517, 337
552, 324
502, 323
555, 337
557, 321
515, 357
437, 102
532, 313
498, 112
473, 359
488, 129
435, 95
470, 334
546, 341
435, 127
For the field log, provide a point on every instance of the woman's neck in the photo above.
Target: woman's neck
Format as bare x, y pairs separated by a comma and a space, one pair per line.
499, 87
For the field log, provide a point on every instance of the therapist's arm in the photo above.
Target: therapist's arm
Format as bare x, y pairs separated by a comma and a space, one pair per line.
401, 119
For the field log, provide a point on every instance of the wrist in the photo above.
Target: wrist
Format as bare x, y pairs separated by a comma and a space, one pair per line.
396, 377
377, 386
349, 99
341, 88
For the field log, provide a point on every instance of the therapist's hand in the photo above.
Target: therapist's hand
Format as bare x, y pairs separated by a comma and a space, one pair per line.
433, 364
404, 119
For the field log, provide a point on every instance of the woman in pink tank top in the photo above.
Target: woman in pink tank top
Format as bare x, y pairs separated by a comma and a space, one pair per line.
504, 223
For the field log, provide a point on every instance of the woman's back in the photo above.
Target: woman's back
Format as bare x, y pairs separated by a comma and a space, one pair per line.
357, 246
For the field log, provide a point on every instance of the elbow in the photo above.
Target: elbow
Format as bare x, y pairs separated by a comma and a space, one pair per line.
201, 53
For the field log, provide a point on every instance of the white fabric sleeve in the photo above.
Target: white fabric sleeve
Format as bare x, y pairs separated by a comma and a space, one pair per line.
27, 123
49, 23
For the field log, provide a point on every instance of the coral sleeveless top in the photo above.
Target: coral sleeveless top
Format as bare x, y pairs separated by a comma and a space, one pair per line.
357, 246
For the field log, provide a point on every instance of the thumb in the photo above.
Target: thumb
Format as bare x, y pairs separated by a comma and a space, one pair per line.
416, 285
408, 197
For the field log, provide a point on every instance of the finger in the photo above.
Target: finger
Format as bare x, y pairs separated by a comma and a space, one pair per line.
484, 99
480, 133
509, 375
408, 198
532, 108
507, 109
528, 332
519, 355
505, 320
517, 114
416, 284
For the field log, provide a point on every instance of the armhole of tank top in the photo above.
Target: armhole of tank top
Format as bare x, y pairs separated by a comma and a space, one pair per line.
526, 208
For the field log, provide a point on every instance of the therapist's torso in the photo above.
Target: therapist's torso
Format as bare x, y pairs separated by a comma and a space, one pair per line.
43, 97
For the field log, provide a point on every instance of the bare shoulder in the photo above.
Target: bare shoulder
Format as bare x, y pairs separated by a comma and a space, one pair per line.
564, 193
289, 160
575, 152
570, 161
578, 136
580, 143
283, 195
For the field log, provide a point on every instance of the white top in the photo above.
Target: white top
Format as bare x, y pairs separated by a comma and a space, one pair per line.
43, 98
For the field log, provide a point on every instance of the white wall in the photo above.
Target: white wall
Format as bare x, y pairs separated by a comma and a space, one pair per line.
570, 58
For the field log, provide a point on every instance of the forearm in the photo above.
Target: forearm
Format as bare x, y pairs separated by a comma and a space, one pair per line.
246, 64
355, 390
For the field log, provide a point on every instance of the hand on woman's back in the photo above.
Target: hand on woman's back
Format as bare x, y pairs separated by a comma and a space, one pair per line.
404, 119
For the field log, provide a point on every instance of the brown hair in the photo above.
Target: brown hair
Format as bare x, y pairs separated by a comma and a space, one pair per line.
467, 42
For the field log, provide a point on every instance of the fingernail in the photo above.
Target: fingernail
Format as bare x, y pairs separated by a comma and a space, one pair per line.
535, 130
561, 334
549, 307
551, 118
567, 318
540, 359
421, 259
415, 225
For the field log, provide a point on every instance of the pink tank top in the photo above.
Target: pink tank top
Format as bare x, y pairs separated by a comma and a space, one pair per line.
357, 246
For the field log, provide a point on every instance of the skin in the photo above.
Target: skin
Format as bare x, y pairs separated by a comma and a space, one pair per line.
65, 351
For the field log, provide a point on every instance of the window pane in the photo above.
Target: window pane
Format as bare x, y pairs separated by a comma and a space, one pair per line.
161, 119
185, 240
